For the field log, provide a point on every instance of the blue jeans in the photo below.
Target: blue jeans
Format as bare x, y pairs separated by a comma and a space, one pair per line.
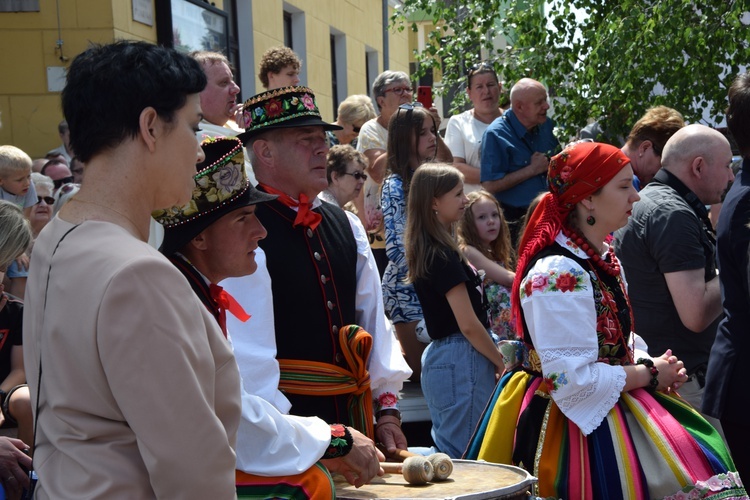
457, 382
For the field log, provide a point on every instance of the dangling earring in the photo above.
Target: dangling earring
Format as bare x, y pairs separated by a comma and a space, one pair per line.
590, 220
435, 211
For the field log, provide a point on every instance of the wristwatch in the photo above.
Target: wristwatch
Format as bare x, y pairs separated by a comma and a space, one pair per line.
392, 412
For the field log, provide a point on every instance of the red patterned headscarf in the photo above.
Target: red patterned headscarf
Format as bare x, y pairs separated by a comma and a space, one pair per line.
575, 173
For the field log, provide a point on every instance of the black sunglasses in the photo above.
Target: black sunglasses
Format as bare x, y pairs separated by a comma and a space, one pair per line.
360, 176
480, 66
60, 182
47, 199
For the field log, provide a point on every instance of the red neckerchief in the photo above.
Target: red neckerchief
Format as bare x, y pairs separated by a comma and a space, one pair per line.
225, 302
305, 215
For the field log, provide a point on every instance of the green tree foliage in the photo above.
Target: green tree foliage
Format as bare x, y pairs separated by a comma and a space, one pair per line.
601, 59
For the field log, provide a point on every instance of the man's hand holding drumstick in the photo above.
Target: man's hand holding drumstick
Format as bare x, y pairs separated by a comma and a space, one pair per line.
361, 464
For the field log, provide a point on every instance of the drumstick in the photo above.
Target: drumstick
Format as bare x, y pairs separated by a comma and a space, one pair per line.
416, 470
442, 464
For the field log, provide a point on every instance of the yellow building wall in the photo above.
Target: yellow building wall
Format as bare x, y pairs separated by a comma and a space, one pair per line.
359, 20
29, 113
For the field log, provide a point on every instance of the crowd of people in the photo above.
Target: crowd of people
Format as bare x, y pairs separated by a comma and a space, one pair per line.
206, 298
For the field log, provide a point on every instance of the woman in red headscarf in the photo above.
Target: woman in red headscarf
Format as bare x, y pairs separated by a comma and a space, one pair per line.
587, 410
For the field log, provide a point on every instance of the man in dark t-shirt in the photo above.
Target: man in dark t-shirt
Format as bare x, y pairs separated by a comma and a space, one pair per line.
668, 252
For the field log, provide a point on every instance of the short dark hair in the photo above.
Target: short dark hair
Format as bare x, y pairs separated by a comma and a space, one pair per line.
108, 86
738, 113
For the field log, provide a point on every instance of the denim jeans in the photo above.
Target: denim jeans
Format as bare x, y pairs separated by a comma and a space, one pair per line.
457, 382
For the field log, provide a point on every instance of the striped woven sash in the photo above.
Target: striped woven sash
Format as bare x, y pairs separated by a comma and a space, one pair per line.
314, 378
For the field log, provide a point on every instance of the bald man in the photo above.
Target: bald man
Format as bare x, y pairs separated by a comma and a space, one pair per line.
668, 252
516, 149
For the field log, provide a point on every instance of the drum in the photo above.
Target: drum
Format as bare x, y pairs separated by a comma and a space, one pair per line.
471, 480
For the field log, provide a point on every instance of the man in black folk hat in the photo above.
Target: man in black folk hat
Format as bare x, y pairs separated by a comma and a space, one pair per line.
318, 276
215, 237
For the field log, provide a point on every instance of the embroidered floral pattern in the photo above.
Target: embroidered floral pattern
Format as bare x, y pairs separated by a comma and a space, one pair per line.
228, 180
275, 106
725, 483
341, 442
498, 298
559, 172
215, 185
613, 349
555, 380
386, 400
553, 281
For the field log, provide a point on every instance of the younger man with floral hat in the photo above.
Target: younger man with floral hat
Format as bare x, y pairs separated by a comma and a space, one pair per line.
215, 237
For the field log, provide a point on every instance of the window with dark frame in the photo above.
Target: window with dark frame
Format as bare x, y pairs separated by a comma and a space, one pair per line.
288, 39
334, 79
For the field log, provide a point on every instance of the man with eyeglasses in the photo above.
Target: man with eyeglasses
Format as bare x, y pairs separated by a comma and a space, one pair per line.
516, 149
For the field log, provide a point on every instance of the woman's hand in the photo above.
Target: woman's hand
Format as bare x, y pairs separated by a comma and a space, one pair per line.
672, 372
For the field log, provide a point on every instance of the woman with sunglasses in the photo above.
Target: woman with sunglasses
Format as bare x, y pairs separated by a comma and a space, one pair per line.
353, 113
464, 131
41, 213
346, 175
412, 141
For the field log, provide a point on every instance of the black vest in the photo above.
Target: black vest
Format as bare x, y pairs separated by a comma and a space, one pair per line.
197, 283
314, 281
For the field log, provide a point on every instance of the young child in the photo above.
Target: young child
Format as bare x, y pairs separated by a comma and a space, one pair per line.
459, 366
15, 178
412, 140
484, 238
16, 187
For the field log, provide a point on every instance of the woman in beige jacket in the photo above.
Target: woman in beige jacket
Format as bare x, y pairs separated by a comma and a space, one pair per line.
135, 389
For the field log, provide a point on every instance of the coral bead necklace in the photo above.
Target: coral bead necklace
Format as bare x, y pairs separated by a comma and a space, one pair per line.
612, 268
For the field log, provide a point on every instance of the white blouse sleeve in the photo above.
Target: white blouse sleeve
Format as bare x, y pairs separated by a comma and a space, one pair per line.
558, 306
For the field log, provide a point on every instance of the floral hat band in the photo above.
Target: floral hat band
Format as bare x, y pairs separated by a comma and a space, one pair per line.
221, 186
286, 107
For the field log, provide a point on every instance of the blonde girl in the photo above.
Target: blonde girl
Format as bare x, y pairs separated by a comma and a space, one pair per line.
484, 239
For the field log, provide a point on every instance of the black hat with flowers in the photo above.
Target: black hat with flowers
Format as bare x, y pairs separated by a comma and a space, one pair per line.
221, 186
286, 107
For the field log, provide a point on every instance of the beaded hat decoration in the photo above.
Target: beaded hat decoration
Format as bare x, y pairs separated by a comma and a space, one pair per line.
286, 107
221, 186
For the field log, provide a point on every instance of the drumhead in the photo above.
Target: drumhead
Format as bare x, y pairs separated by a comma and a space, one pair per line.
471, 480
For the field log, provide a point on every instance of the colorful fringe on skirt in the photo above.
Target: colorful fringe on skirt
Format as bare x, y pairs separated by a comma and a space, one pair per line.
649, 446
